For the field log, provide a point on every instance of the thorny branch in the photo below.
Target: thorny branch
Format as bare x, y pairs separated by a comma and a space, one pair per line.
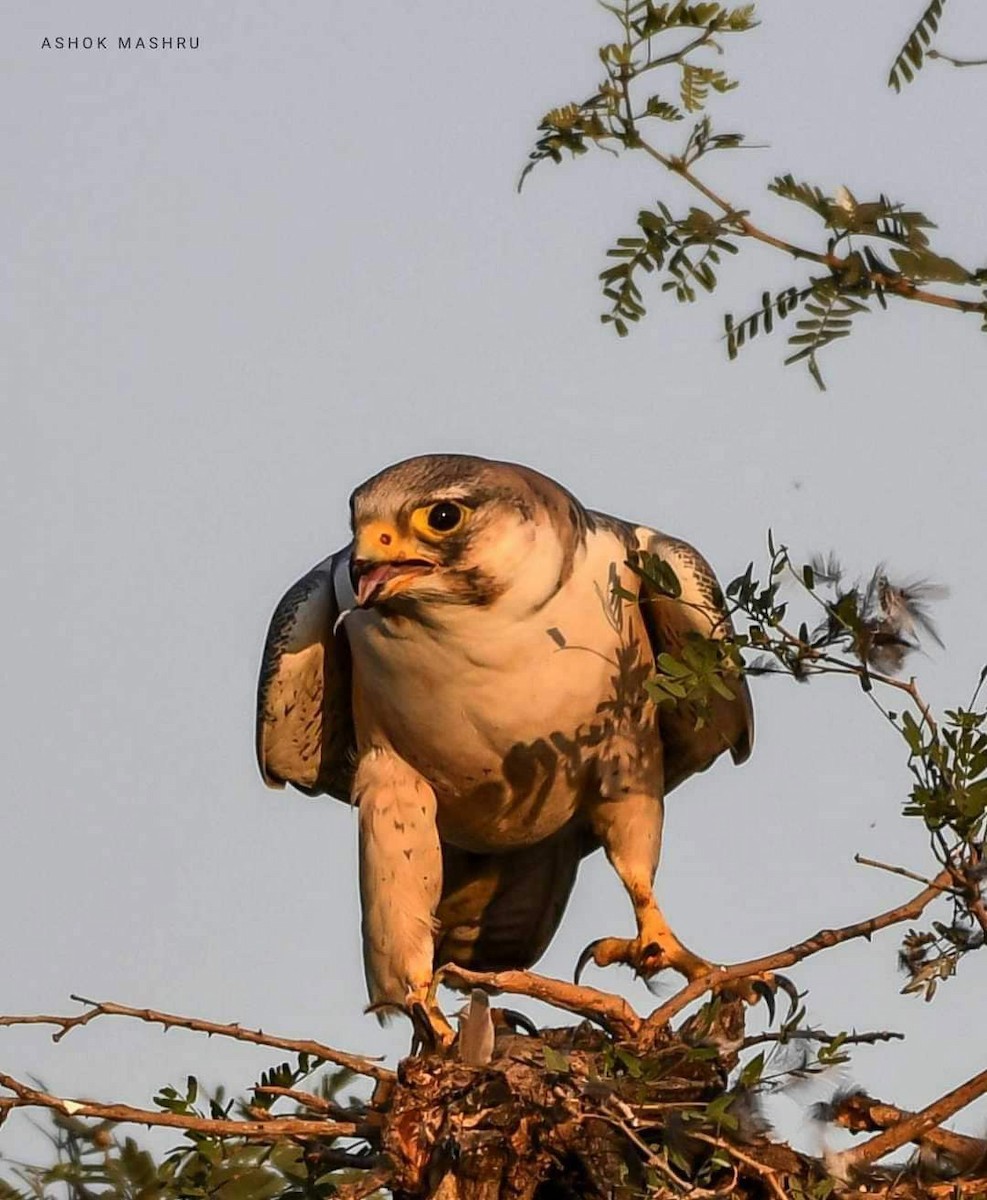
861, 1113
641, 1120
911, 1127
266, 1131
820, 1035
823, 940
612, 1012
351, 1062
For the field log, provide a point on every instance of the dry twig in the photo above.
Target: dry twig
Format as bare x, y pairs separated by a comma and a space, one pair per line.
264, 1131
823, 940
913, 1127
820, 1035
612, 1012
352, 1062
861, 1113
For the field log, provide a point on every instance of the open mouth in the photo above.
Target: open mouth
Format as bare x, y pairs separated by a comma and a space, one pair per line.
371, 578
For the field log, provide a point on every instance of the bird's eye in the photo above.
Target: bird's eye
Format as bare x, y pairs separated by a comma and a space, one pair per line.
433, 522
445, 516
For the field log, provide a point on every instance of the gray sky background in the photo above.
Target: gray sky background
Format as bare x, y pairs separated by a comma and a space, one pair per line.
240, 280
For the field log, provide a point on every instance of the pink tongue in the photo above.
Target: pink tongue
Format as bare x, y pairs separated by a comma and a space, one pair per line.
370, 581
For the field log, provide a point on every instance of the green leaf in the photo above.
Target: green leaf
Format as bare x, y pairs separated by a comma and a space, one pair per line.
556, 1061
752, 1071
923, 264
912, 52
632, 1064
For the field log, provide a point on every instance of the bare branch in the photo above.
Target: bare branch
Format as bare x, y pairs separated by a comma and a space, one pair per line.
881, 866
861, 1113
769, 1174
312, 1101
352, 1062
823, 940
820, 1035
263, 1131
956, 62
612, 1012
911, 1128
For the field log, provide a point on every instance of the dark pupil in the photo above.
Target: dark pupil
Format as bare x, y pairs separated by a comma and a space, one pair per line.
443, 517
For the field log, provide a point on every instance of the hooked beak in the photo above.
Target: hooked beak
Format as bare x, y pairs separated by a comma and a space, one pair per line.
384, 563
375, 580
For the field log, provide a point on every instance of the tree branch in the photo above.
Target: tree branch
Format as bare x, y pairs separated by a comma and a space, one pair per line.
911, 1128
861, 1113
612, 1012
310, 1100
897, 285
265, 1131
906, 874
352, 1062
820, 1035
956, 62
822, 940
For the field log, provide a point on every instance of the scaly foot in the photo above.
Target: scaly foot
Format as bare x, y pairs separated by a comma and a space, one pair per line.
432, 1031
656, 949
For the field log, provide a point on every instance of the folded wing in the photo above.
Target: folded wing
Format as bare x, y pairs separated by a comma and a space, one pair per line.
691, 745
304, 696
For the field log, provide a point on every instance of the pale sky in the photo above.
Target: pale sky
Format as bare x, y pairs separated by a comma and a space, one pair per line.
241, 279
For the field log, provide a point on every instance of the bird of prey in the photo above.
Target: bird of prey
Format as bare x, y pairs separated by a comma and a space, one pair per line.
469, 672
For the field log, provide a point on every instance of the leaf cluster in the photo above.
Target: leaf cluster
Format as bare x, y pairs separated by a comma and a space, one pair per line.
857, 272
870, 250
613, 115
949, 766
686, 249
911, 57
90, 1160
863, 631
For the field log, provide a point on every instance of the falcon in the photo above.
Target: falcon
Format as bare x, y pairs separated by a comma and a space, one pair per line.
470, 673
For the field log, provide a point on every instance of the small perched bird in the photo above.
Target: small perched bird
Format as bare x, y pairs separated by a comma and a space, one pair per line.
469, 671
476, 1030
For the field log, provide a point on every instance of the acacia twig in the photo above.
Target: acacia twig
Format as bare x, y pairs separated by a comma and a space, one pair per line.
612, 1012
820, 1035
895, 284
861, 1113
718, 977
904, 872
352, 1062
956, 62
768, 1173
264, 1131
911, 1128
312, 1101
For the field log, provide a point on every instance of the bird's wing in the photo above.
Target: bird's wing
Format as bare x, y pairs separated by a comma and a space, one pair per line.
691, 746
304, 706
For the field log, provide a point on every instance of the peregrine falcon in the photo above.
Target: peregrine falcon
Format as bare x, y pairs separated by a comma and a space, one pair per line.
469, 672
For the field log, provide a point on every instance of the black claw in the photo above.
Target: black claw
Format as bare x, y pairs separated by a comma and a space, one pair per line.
424, 1030
766, 992
791, 991
518, 1021
588, 955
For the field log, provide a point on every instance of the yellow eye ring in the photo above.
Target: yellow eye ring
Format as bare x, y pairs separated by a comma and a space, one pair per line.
436, 521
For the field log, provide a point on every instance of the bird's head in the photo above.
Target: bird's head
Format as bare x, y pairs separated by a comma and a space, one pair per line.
450, 528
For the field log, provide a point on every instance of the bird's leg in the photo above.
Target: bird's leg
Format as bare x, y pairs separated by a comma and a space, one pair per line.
400, 885
629, 826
